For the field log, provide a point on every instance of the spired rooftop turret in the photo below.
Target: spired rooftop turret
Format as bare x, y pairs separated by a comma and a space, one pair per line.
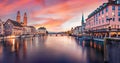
25, 19
18, 17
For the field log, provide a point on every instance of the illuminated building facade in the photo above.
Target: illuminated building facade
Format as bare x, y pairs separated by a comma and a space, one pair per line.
13, 28
105, 20
1, 28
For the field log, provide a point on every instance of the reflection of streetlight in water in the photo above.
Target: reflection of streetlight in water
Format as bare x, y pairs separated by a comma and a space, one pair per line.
95, 45
83, 43
99, 47
13, 45
1, 51
91, 43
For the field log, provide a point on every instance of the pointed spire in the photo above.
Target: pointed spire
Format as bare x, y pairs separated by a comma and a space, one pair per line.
25, 19
18, 17
25, 14
18, 13
82, 19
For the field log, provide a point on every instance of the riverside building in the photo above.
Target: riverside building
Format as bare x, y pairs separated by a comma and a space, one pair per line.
105, 20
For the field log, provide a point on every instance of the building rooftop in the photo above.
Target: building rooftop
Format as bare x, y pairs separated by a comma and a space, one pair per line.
42, 28
104, 5
15, 23
31, 27
98, 9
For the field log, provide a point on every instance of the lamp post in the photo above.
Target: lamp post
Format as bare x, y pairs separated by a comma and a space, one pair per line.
109, 31
89, 32
117, 32
109, 28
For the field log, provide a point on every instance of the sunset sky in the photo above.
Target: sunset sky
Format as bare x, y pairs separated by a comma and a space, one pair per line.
55, 15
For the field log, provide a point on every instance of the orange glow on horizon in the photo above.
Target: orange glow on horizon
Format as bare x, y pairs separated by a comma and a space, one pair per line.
52, 15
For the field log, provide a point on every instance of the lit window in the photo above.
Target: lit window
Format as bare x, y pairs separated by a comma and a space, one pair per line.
118, 2
113, 13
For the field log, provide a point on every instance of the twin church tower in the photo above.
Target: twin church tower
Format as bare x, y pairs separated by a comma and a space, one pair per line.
18, 18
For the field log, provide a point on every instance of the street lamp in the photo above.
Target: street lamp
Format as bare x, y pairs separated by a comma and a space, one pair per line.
89, 31
109, 31
109, 28
117, 32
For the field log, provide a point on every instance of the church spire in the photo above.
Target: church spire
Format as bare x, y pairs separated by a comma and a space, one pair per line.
82, 19
18, 17
25, 19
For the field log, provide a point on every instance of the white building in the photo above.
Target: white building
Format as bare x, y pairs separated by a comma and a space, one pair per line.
12, 27
1, 28
28, 30
42, 30
77, 31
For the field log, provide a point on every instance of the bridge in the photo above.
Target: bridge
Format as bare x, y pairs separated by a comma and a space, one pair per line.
30, 35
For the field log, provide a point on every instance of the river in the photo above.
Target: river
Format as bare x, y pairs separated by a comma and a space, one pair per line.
48, 49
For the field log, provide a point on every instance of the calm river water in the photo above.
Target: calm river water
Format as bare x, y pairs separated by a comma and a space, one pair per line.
48, 49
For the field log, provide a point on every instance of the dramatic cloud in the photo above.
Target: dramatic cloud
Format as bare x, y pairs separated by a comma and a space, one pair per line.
52, 14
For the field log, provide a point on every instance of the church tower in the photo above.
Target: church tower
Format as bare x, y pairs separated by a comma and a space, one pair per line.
18, 17
82, 22
25, 19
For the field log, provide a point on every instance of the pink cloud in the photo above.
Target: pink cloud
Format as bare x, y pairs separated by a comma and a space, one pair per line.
61, 12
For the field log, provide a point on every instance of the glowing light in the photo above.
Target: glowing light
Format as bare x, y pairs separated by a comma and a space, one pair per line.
107, 14
13, 45
13, 41
102, 16
113, 14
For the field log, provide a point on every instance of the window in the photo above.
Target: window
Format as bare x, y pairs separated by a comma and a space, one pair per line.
113, 19
102, 11
106, 18
119, 19
118, 2
119, 8
117, 26
118, 13
113, 7
106, 9
102, 20
96, 15
99, 13
114, 26
99, 22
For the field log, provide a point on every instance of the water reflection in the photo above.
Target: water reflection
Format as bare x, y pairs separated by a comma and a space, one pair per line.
48, 49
